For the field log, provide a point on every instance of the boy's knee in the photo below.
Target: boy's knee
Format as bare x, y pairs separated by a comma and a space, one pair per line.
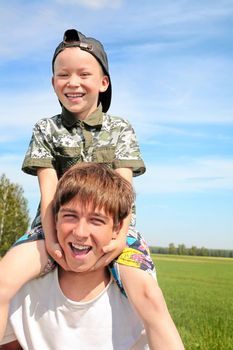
5, 294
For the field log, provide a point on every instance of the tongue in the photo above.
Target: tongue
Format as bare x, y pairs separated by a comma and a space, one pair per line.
80, 251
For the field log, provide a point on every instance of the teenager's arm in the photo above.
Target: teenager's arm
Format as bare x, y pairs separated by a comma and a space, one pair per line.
48, 182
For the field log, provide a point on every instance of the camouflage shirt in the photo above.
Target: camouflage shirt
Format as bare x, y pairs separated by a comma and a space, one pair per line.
61, 141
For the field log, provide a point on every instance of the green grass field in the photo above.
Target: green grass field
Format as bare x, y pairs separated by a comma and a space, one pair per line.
199, 295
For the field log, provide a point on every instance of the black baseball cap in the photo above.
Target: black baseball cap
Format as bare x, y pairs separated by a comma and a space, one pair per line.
74, 38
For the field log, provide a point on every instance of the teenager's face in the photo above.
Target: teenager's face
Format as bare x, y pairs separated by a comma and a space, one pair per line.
82, 233
78, 79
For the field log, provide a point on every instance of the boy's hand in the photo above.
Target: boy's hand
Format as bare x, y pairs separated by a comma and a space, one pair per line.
56, 253
112, 250
116, 246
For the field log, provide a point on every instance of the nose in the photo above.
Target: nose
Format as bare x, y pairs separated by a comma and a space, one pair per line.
81, 230
73, 81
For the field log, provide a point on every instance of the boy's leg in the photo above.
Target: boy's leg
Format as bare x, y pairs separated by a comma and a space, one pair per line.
21, 263
135, 274
147, 299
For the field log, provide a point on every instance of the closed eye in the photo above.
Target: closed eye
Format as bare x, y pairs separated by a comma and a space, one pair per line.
69, 218
68, 214
85, 74
98, 220
62, 74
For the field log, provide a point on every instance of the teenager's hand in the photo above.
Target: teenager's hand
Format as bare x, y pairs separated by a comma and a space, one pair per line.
111, 251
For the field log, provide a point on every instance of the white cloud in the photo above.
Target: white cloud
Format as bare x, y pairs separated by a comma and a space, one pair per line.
5, 138
182, 90
147, 21
28, 107
92, 4
10, 165
196, 175
192, 11
20, 34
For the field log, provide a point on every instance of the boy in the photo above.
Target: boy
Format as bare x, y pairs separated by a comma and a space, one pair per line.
83, 132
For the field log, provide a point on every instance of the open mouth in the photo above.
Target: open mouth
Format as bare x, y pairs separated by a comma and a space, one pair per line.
79, 249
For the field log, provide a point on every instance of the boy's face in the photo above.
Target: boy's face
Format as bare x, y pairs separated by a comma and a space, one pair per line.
82, 233
78, 79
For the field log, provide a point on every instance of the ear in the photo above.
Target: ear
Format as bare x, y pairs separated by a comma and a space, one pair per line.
104, 83
117, 229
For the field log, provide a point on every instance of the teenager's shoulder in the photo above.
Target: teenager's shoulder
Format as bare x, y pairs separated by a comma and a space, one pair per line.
36, 291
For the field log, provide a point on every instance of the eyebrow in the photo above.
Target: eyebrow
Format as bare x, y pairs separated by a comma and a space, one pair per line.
62, 210
73, 211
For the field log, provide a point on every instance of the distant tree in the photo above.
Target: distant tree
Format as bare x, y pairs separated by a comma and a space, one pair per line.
181, 250
14, 217
203, 251
172, 248
159, 250
193, 250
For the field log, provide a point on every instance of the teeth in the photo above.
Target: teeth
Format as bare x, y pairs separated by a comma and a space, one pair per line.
80, 247
74, 95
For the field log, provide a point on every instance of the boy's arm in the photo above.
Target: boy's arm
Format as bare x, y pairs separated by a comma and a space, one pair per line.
117, 245
48, 182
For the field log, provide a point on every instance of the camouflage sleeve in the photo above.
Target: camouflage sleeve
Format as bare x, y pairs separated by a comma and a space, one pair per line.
39, 153
127, 153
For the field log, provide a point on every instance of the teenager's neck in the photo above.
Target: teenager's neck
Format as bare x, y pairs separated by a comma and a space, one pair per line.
83, 286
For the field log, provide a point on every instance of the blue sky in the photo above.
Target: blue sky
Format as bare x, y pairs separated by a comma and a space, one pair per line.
171, 65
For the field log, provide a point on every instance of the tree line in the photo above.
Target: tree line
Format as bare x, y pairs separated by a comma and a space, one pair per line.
181, 249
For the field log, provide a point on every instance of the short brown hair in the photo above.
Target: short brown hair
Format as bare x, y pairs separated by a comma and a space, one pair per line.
98, 185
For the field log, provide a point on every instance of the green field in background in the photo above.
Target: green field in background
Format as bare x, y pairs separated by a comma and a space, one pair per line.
199, 295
